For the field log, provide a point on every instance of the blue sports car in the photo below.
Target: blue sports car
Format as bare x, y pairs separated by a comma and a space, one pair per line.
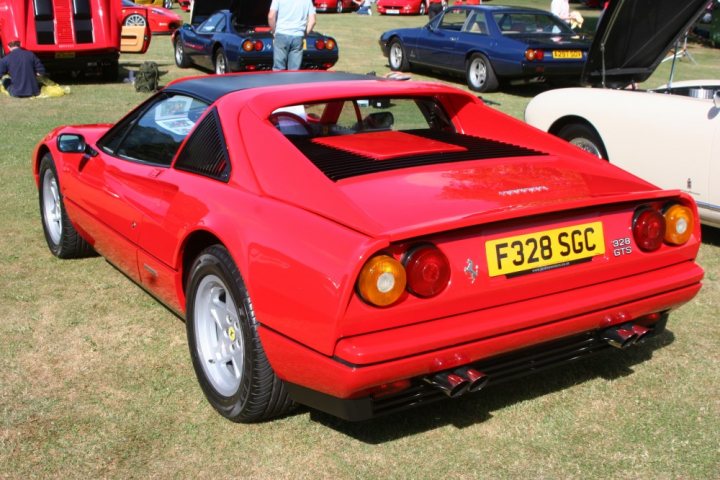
234, 36
490, 44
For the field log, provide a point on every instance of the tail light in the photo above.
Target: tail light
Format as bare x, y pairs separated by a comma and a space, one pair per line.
679, 224
249, 45
320, 44
382, 281
648, 229
428, 271
534, 54
330, 44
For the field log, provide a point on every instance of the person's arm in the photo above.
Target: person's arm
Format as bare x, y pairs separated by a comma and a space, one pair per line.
39, 67
272, 20
3, 67
310, 24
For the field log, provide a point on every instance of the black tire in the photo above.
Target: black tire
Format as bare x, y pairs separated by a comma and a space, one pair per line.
585, 137
396, 56
242, 386
480, 74
339, 7
422, 8
181, 59
220, 62
61, 237
167, 4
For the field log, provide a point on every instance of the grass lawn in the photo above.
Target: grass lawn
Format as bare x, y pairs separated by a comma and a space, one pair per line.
96, 380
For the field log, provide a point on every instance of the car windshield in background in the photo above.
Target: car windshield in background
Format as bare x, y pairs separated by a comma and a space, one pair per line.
356, 116
529, 23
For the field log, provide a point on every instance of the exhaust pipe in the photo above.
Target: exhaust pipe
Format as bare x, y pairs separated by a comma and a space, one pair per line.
620, 336
450, 384
640, 331
477, 380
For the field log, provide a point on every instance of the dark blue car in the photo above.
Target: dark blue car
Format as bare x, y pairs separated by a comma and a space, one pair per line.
489, 45
234, 36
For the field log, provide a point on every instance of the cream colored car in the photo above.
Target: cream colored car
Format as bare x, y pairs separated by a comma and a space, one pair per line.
669, 136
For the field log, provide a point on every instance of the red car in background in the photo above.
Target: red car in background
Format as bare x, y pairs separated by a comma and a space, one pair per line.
337, 6
362, 245
185, 5
402, 7
161, 20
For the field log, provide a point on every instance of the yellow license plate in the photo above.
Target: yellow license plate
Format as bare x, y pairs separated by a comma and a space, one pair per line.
304, 44
64, 54
544, 250
565, 54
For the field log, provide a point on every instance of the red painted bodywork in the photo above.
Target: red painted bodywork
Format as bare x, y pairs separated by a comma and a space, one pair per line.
404, 7
18, 21
300, 239
161, 20
331, 5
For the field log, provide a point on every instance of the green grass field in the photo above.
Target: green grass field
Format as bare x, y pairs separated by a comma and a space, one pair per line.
96, 380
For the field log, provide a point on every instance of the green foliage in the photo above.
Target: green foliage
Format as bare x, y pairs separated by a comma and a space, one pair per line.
96, 381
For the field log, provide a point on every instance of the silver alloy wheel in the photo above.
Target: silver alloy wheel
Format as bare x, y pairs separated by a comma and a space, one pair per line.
135, 20
339, 6
396, 56
220, 65
219, 336
179, 52
52, 206
167, 4
478, 73
422, 7
587, 145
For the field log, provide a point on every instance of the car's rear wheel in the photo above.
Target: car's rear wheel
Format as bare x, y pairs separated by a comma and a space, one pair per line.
585, 137
221, 63
480, 74
422, 8
167, 4
181, 60
229, 360
135, 20
61, 237
339, 6
396, 58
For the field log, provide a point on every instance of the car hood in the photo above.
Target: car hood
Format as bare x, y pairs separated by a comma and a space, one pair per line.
248, 12
635, 35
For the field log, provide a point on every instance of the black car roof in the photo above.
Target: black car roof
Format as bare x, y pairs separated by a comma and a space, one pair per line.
212, 87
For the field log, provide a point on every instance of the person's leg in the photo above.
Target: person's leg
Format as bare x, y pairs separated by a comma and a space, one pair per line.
295, 54
6, 83
281, 46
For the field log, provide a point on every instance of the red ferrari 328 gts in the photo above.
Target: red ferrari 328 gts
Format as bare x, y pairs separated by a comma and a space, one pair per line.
363, 245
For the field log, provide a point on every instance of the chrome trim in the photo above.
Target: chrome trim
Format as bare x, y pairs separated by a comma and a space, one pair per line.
708, 206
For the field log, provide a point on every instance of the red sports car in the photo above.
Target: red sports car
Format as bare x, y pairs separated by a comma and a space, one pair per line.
364, 245
161, 19
338, 6
402, 7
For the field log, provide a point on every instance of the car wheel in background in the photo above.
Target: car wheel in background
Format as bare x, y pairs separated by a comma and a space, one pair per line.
396, 58
339, 6
584, 136
480, 74
221, 63
225, 347
167, 3
421, 11
62, 238
135, 20
181, 60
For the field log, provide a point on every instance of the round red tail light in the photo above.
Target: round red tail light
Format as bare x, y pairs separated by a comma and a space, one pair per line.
320, 44
532, 54
258, 45
648, 229
428, 271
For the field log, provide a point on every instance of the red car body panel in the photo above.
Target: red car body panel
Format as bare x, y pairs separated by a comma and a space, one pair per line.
401, 7
161, 20
332, 5
302, 243
62, 33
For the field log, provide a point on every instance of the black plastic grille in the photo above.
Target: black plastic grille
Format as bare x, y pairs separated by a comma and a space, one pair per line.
338, 164
205, 152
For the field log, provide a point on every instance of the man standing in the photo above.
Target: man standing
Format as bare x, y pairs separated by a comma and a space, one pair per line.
23, 67
290, 21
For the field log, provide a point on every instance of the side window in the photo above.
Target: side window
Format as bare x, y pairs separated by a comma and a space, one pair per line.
211, 24
477, 24
453, 19
155, 136
205, 152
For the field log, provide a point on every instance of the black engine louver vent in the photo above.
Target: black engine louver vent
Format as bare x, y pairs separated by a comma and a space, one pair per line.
205, 152
338, 164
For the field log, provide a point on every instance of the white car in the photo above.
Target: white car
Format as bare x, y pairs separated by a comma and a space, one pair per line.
669, 136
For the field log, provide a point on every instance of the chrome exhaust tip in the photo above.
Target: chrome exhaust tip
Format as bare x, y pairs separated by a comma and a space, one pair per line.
477, 380
450, 384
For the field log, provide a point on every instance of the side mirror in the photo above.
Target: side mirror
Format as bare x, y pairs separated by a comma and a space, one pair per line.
71, 143
716, 98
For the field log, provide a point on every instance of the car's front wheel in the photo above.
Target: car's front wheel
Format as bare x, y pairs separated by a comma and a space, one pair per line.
396, 58
585, 137
135, 20
167, 3
181, 60
422, 8
480, 74
221, 62
339, 6
225, 348
61, 237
